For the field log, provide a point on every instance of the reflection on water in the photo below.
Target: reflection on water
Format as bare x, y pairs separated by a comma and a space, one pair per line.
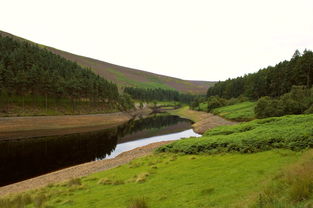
25, 158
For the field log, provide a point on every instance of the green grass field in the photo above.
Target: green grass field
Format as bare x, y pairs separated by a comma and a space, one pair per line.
239, 112
167, 180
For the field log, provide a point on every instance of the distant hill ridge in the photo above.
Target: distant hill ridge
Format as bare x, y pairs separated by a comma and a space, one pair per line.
124, 76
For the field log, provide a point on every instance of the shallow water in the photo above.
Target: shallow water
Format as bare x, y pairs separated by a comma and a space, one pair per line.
21, 159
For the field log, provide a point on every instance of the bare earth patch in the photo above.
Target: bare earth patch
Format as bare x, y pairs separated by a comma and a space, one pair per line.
203, 121
21, 127
209, 121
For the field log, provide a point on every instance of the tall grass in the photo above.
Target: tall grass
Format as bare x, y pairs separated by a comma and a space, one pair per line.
292, 188
138, 203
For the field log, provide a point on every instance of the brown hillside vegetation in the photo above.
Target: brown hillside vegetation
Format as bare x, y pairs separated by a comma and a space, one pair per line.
124, 76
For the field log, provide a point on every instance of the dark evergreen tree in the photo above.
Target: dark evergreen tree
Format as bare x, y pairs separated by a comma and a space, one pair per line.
158, 94
271, 81
29, 70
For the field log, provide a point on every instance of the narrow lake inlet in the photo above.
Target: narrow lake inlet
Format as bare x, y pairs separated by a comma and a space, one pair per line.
22, 159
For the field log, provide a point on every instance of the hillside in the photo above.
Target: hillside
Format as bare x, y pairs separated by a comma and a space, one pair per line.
35, 81
124, 76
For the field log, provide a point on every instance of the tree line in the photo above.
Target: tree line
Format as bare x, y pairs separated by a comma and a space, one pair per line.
272, 81
158, 94
298, 101
27, 69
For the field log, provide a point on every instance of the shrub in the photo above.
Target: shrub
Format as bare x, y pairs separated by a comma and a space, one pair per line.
74, 182
216, 102
309, 110
107, 181
297, 101
240, 99
293, 104
267, 107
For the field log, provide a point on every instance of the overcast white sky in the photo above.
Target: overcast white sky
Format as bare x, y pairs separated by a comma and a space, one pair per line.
188, 39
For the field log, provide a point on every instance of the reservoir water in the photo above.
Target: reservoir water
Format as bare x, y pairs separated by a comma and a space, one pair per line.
21, 159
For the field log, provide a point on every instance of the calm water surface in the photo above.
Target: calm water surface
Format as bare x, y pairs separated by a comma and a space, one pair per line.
26, 158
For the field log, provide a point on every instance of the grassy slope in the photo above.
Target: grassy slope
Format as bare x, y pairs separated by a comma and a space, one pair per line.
239, 112
124, 76
168, 180
290, 132
184, 112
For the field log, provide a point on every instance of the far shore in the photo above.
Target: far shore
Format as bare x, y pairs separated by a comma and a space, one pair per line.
37, 126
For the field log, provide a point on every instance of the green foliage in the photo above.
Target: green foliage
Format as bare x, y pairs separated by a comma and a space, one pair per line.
36, 105
268, 107
309, 110
271, 81
28, 70
126, 102
288, 132
197, 101
297, 101
215, 102
158, 94
202, 107
239, 112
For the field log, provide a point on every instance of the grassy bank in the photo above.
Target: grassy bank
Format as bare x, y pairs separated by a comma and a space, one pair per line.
238, 112
290, 132
185, 112
166, 180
